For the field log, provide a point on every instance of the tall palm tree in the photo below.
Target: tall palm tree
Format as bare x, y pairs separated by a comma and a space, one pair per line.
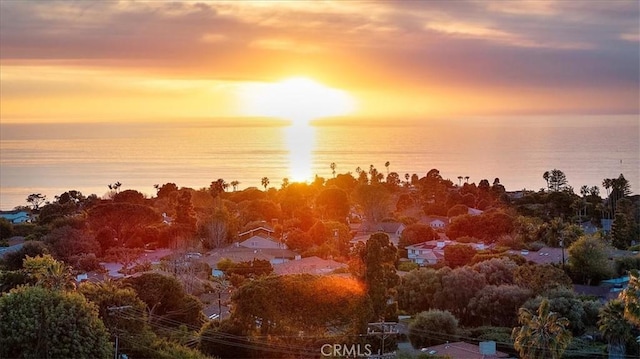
460, 180
387, 164
541, 336
466, 179
615, 328
333, 169
265, 182
234, 184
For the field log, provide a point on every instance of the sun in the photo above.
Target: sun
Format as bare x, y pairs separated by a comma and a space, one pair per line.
298, 99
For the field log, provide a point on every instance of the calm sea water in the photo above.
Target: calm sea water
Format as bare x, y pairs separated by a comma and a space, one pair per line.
53, 158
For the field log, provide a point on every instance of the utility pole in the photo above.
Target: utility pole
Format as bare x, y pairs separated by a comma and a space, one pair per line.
111, 311
384, 330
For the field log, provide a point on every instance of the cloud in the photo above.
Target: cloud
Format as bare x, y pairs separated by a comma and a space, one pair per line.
396, 45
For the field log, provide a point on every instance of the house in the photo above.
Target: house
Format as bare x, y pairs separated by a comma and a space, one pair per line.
603, 293
546, 255
588, 227
261, 251
263, 230
607, 289
309, 265
426, 252
431, 252
166, 219
391, 228
16, 216
463, 350
435, 222
474, 211
260, 242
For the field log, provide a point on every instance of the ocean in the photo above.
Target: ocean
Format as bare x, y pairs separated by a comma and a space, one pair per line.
54, 158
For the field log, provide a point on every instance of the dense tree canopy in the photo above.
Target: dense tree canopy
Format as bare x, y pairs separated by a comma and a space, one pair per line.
432, 327
288, 304
487, 227
541, 278
166, 300
589, 260
122, 218
417, 290
52, 324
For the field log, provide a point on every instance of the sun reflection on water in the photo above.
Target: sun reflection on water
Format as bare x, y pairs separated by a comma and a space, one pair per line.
300, 140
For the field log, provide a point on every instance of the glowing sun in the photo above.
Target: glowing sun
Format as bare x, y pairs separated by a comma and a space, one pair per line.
298, 99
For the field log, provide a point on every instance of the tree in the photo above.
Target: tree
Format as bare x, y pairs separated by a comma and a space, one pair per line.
234, 185
626, 227
114, 188
13, 260
566, 303
37, 322
67, 242
333, 204
299, 240
631, 298
615, 328
621, 234
459, 286
129, 196
227, 339
487, 227
589, 260
541, 278
36, 199
546, 176
380, 276
284, 305
166, 189
6, 228
50, 273
541, 336
413, 234
120, 309
215, 229
498, 305
265, 182
166, 301
432, 327
417, 290
457, 255
497, 271
123, 218
373, 200
333, 169
557, 181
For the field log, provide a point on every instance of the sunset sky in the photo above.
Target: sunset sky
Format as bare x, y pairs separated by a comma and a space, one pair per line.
158, 60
